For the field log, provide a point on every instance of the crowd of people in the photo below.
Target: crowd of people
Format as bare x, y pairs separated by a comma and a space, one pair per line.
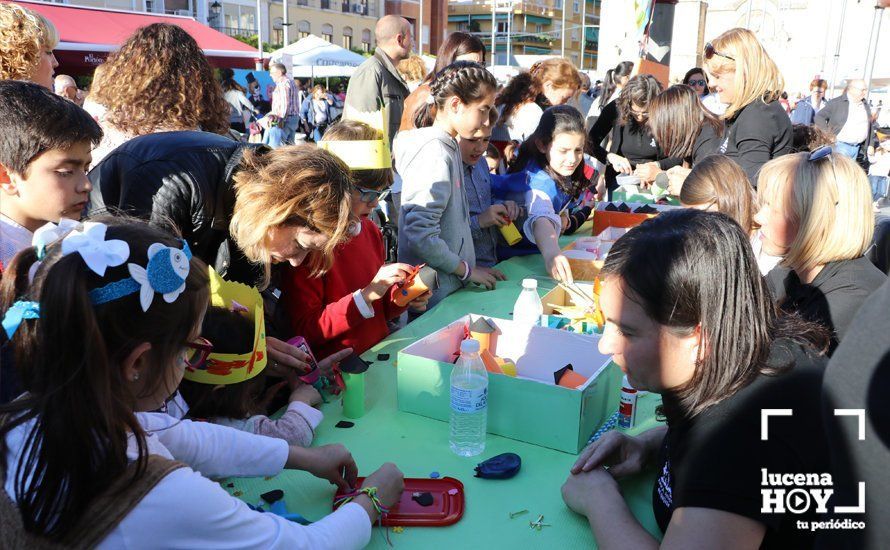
767, 291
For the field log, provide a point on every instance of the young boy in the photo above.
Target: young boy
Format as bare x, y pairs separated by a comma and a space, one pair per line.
485, 216
45, 144
350, 305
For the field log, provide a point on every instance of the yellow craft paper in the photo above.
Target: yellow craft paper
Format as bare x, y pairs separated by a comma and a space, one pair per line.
360, 155
242, 366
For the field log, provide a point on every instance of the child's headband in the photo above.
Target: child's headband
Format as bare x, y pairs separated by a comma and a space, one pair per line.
165, 273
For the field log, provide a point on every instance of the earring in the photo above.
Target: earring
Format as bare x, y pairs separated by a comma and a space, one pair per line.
136, 377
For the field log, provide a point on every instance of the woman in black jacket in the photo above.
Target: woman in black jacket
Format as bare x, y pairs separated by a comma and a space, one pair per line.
633, 149
746, 78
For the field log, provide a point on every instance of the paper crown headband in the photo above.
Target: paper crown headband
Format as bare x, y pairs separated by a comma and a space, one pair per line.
364, 155
232, 368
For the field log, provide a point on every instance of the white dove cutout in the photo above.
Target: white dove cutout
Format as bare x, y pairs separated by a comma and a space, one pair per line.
165, 273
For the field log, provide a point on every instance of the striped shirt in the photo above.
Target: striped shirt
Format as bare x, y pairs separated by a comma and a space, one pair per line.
285, 99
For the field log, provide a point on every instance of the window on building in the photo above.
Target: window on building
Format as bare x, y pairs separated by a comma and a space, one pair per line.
347, 38
303, 28
366, 40
539, 28
327, 32
577, 6
502, 26
463, 26
575, 36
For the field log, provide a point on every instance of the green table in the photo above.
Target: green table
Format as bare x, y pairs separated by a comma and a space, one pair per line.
419, 446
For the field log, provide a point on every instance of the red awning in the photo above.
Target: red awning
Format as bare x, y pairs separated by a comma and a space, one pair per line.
87, 35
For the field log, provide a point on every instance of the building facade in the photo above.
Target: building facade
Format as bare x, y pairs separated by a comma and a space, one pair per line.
429, 13
532, 27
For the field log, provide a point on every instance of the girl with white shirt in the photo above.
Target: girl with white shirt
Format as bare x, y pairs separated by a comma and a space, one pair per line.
76, 446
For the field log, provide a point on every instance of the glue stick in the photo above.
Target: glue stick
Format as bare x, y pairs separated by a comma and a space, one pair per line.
627, 405
354, 395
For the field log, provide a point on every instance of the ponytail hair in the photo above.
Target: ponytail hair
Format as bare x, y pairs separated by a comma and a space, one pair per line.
610, 82
562, 119
469, 81
79, 404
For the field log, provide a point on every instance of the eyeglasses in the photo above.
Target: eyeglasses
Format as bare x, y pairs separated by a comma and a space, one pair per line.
710, 52
197, 352
698, 83
371, 195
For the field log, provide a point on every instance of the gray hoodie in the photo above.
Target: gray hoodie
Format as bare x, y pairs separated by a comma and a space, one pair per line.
435, 217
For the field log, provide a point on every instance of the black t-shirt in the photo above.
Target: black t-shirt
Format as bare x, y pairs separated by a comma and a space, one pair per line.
858, 377
834, 296
715, 459
707, 143
759, 133
631, 141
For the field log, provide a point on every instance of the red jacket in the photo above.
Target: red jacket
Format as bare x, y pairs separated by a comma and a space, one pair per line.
322, 310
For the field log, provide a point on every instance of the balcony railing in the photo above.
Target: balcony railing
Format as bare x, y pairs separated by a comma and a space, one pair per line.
343, 6
235, 31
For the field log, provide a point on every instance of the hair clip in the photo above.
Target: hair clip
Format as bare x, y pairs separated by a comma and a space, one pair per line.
49, 233
820, 153
96, 252
19, 311
165, 274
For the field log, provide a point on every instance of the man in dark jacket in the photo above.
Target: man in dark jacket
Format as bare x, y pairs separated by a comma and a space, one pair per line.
183, 179
848, 117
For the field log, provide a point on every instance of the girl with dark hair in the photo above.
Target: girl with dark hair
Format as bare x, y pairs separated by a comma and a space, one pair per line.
435, 215
236, 97
614, 82
459, 46
688, 316
522, 102
549, 174
633, 149
105, 332
682, 127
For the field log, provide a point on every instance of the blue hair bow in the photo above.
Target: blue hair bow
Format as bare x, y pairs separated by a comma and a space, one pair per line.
19, 311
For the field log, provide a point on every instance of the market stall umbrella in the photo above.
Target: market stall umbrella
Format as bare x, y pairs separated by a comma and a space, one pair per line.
88, 35
314, 57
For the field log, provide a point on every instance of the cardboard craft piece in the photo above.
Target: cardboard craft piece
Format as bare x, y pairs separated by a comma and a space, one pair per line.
364, 155
233, 368
486, 332
423, 278
507, 366
585, 265
568, 378
491, 364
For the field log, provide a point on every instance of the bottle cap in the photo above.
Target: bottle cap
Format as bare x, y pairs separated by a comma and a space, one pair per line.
531, 284
469, 345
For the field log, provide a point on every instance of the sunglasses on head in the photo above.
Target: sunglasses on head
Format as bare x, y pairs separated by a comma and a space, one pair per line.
371, 195
710, 52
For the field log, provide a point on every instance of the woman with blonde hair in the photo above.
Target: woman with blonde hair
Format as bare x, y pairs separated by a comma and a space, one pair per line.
158, 81
413, 70
27, 41
522, 102
747, 80
816, 212
718, 184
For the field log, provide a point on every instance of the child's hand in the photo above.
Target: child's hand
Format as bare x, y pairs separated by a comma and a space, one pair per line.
386, 276
331, 462
326, 365
483, 277
496, 216
512, 210
390, 483
676, 177
419, 303
558, 267
496, 273
304, 393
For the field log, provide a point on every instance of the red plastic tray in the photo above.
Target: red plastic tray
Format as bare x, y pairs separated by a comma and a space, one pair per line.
445, 510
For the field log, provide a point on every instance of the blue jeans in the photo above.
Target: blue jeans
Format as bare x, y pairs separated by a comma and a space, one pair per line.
879, 186
283, 134
850, 150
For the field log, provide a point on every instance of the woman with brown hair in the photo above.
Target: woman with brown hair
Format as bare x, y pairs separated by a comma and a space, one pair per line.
718, 184
746, 78
158, 81
459, 46
522, 102
27, 41
633, 149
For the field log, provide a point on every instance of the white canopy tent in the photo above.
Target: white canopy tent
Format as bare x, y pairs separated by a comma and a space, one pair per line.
315, 57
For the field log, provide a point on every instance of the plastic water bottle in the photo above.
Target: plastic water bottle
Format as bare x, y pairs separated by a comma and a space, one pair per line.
528, 308
469, 401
